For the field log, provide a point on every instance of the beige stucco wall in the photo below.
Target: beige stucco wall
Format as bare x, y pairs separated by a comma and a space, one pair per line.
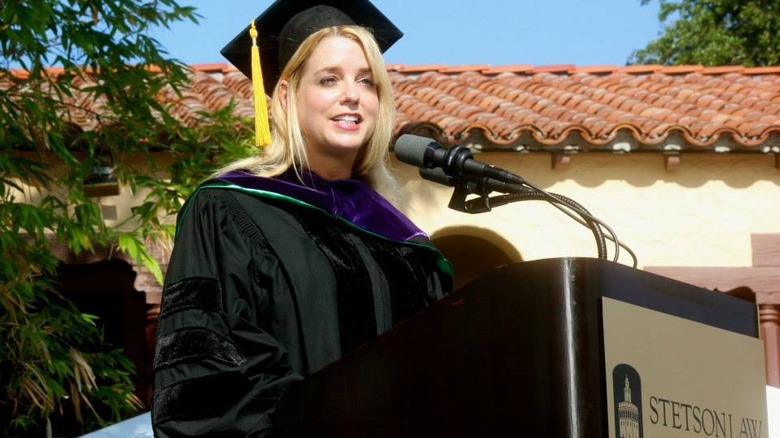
701, 214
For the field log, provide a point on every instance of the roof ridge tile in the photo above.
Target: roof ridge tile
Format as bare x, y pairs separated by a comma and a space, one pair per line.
218, 67
404, 68
681, 69
723, 69
641, 69
464, 68
559, 68
509, 68
597, 69
762, 70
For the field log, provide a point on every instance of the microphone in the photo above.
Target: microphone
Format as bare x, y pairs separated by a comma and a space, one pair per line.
457, 162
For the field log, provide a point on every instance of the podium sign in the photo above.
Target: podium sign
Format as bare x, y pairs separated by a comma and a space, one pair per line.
524, 351
672, 377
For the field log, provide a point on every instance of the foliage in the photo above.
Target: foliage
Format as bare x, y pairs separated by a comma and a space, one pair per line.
53, 361
715, 32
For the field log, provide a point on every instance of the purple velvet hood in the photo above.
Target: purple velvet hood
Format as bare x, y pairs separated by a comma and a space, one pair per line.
349, 199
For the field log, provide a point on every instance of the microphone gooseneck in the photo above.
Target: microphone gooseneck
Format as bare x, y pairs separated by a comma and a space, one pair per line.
456, 167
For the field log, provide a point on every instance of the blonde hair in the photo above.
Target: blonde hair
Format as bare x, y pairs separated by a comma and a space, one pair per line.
287, 148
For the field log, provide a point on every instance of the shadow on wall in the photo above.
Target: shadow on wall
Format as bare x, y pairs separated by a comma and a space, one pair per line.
474, 251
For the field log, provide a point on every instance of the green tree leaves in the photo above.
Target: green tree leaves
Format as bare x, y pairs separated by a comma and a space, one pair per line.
80, 82
715, 32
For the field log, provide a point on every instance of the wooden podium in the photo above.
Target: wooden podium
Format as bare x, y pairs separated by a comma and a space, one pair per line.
519, 351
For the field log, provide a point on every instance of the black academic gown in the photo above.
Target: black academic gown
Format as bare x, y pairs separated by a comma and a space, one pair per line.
269, 281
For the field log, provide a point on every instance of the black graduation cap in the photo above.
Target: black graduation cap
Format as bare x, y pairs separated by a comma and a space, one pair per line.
286, 23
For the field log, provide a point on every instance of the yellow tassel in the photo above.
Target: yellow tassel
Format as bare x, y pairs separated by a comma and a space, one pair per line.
262, 130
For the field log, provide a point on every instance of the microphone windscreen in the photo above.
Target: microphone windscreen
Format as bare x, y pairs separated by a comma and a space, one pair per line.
411, 149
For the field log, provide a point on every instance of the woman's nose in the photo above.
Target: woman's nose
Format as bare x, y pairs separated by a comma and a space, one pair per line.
351, 91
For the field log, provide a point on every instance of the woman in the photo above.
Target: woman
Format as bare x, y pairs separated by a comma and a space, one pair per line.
286, 261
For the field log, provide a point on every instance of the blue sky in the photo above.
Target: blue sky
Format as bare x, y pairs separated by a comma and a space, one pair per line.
459, 32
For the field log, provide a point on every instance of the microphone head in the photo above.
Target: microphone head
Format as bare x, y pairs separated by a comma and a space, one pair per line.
411, 149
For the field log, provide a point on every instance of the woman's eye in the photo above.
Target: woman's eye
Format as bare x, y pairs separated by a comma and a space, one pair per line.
367, 82
328, 80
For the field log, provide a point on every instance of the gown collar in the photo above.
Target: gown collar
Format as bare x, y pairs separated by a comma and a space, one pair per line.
350, 199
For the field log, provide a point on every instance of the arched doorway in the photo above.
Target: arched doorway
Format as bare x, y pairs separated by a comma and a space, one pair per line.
474, 251
105, 289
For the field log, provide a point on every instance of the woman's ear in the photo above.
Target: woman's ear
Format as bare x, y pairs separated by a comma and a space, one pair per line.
284, 86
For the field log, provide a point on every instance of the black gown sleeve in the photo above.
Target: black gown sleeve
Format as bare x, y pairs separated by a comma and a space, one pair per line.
217, 372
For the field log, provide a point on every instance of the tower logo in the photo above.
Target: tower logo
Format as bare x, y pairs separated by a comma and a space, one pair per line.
627, 396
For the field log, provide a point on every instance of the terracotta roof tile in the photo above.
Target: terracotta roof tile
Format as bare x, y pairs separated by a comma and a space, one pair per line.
597, 69
723, 69
417, 68
463, 68
515, 68
563, 68
773, 70
641, 69
681, 69
539, 107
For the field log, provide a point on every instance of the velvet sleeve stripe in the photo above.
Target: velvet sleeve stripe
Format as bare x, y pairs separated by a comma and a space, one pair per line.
200, 293
197, 398
192, 344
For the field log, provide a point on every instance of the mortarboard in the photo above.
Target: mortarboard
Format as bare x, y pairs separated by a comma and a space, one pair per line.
286, 23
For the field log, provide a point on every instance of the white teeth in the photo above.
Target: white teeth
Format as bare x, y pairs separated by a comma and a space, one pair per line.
347, 119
